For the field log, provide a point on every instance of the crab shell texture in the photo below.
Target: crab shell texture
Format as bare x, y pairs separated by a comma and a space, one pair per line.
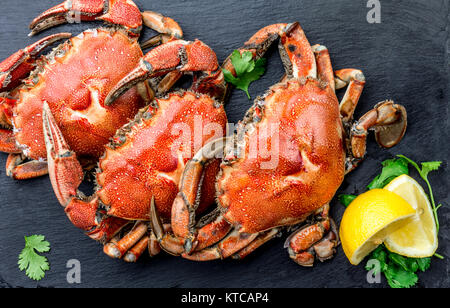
74, 80
147, 157
310, 164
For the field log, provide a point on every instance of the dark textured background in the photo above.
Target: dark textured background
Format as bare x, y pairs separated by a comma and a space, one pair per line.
404, 58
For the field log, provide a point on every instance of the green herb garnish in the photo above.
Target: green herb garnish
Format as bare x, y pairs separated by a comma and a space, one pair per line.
247, 70
34, 264
400, 271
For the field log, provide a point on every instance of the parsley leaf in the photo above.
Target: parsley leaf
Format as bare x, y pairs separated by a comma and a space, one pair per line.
346, 199
399, 278
401, 261
247, 70
34, 264
423, 263
392, 168
430, 166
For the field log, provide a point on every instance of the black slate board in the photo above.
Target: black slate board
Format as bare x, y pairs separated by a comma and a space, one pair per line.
404, 58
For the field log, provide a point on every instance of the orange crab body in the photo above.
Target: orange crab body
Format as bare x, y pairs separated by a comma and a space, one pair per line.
74, 82
148, 159
310, 164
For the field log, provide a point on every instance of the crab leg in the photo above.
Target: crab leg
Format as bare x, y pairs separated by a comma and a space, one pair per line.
186, 202
18, 170
66, 175
230, 245
168, 82
153, 245
166, 27
318, 239
21, 63
162, 233
298, 57
177, 55
137, 250
324, 66
295, 46
214, 84
258, 242
186, 237
120, 12
389, 121
301, 243
117, 250
355, 80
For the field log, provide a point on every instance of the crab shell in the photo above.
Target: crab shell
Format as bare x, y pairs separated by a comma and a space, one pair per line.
310, 151
74, 80
147, 157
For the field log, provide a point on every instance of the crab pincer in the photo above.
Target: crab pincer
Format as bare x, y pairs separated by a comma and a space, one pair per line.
123, 13
191, 56
120, 12
19, 65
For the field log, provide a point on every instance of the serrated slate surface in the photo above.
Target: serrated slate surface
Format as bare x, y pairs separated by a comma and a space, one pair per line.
404, 58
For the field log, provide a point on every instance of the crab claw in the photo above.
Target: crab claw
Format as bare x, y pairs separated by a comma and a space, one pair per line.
66, 175
85, 215
167, 28
65, 171
167, 241
118, 12
177, 55
389, 120
20, 64
390, 133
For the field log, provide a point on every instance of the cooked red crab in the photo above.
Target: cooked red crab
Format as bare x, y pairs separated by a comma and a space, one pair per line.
74, 80
146, 158
312, 146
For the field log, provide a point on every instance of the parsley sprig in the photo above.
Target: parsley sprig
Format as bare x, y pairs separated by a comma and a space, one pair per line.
34, 264
247, 70
400, 271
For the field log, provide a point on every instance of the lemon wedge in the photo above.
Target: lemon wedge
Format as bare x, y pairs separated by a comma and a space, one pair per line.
418, 238
369, 219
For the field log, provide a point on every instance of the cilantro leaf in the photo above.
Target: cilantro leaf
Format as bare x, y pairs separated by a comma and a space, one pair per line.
247, 70
400, 261
398, 270
346, 199
399, 278
427, 167
34, 264
392, 168
423, 263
